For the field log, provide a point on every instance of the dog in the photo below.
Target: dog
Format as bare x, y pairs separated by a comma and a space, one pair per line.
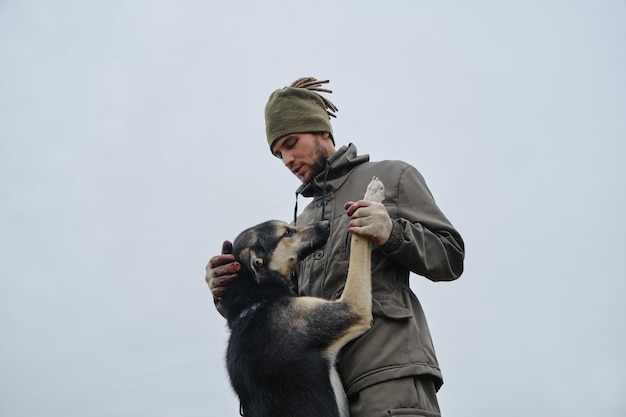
282, 347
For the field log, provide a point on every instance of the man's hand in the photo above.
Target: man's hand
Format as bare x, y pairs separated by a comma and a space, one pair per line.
221, 269
370, 220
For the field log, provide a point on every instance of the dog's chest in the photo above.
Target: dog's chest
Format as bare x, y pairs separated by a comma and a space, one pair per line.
263, 340
270, 356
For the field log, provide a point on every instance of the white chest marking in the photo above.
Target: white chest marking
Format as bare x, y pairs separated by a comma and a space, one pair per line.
340, 394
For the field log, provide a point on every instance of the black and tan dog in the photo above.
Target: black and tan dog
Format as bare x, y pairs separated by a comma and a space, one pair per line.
282, 348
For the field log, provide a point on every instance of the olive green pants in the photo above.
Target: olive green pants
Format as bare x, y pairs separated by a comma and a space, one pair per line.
408, 397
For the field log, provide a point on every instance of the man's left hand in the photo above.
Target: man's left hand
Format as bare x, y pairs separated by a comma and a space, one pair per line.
370, 220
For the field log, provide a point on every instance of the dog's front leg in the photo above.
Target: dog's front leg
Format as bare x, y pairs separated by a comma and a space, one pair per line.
358, 290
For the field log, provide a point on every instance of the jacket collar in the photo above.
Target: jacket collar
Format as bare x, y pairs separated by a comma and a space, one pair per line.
341, 163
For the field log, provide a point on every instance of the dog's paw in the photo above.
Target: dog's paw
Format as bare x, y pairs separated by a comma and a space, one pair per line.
375, 191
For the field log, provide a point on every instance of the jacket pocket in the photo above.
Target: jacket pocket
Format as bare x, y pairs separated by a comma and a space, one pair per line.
390, 308
412, 412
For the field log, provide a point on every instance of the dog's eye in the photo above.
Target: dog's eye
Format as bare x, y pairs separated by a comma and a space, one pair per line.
287, 233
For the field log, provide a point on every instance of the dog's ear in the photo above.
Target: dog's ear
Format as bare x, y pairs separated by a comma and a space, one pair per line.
256, 262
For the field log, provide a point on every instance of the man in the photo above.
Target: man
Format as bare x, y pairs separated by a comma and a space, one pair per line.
392, 369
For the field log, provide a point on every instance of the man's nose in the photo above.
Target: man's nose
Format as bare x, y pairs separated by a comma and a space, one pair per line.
287, 158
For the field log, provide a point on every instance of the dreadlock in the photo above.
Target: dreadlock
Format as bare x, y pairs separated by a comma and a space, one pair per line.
313, 85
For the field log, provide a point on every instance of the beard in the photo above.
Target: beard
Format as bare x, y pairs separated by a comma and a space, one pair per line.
320, 157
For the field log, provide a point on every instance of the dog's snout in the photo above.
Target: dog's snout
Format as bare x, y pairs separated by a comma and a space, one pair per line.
324, 228
324, 224
314, 236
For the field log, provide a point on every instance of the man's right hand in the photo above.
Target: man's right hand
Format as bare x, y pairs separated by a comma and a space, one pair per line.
221, 269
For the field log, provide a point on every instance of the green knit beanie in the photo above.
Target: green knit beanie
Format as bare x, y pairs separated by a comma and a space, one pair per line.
298, 109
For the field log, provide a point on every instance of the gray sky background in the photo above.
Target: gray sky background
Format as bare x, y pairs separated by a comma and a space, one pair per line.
132, 144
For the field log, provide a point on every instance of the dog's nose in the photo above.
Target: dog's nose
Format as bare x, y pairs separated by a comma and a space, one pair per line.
324, 226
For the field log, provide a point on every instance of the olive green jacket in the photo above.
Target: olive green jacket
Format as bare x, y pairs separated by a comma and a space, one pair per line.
422, 241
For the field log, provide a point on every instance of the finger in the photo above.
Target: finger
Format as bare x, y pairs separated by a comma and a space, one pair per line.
218, 292
354, 222
363, 231
360, 206
350, 210
231, 268
351, 207
357, 224
227, 247
364, 213
371, 209
218, 285
220, 260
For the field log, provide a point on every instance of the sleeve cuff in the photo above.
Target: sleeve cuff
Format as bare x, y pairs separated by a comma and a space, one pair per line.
395, 239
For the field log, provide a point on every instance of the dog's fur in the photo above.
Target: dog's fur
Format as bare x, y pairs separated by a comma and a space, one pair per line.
282, 348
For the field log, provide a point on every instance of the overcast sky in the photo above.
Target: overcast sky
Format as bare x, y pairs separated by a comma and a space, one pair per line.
132, 144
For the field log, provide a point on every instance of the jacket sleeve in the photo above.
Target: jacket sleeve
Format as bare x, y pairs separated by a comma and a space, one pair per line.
422, 238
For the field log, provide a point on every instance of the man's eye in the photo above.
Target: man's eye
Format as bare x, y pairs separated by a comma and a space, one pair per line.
291, 143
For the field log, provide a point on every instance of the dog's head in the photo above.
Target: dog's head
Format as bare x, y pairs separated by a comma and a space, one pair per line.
274, 248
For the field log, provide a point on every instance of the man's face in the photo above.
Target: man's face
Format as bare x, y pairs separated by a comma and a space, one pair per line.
304, 154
